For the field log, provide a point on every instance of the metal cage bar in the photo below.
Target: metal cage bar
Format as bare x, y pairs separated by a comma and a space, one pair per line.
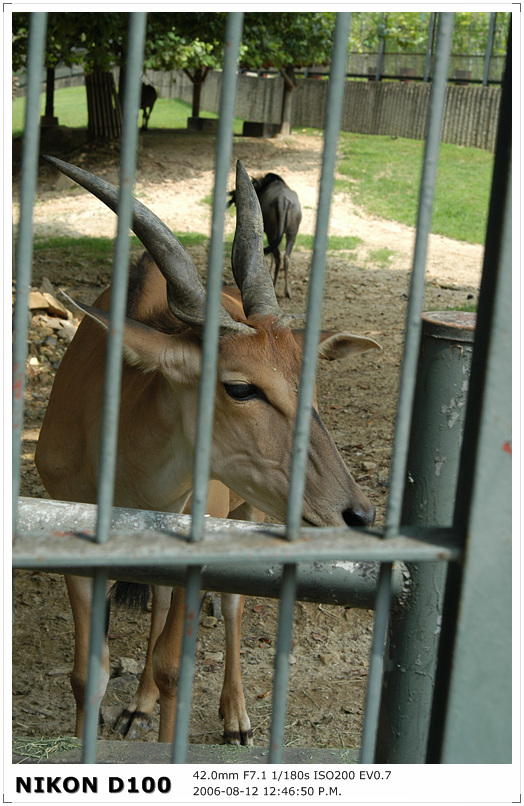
111, 403
24, 246
207, 379
307, 381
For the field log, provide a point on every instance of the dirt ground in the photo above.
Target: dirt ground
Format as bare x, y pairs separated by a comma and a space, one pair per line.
365, 293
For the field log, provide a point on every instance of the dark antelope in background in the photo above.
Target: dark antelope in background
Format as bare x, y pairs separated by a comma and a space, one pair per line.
281, 214
148, 96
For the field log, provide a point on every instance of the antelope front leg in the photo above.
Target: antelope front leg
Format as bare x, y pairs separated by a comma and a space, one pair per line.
138, 713
80, 590
166, 664
237, 727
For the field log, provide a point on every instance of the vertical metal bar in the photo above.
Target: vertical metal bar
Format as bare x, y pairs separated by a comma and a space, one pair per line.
376, 665
307, 381
429, 48
206, 400
106, 475
283, 651
208, 378
109, 435
416, 292
316, 282
187, 662
381, 47
24, 246
408, 375
489, 47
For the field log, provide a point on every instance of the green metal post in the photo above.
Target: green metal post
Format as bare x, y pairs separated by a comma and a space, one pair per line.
432, 470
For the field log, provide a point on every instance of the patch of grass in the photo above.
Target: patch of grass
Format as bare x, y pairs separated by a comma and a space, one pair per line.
335, 242
99, 251
38, 750
92, 248
466, 307
70, 107
343, 242
189, 239
383, 177
381, 257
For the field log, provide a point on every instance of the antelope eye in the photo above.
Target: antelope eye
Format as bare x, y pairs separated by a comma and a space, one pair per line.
243, 391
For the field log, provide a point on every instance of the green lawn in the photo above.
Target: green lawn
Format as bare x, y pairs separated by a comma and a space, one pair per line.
383, 177
71, 110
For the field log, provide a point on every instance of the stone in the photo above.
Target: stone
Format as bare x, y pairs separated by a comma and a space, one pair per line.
37, 301
368, 465
329, 658
55, 307
129, 666
46, 286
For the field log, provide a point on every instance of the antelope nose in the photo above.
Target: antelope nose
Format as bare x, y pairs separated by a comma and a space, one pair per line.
359, 517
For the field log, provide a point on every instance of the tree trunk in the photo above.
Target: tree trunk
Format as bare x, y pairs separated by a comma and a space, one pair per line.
197, 78
104, 115
50, 92
197, 92
287, 99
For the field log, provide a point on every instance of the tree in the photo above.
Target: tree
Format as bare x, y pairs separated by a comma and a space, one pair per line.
192, 42
407, 32
287, 41
59, 50
96, 40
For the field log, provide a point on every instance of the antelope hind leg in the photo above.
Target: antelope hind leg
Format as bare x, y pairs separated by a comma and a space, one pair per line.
136, 716
237, 727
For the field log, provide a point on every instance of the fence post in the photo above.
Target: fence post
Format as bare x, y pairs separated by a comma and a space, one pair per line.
429, 496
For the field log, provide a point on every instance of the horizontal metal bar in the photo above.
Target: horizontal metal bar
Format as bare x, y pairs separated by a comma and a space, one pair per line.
338, 582
225, 542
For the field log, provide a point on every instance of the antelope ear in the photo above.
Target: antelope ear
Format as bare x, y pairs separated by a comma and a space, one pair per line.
342, 345
333, 346
177, 357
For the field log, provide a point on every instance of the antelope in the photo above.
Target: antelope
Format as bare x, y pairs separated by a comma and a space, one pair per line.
255, 405
148, 96
281, 214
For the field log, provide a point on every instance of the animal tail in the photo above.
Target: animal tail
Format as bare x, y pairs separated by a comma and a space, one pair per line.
272, 246
132, 595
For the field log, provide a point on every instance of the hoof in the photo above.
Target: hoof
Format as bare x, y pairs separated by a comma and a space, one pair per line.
129, 723
244, 738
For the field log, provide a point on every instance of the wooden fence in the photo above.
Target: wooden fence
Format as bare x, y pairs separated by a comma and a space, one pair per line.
398, 109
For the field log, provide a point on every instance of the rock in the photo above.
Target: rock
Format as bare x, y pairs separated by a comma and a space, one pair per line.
214, 657
48, 321
67, 331
329, 658
209, 621
129, 666
37, 301
44, 301
46, 287
55, 307
368, 465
